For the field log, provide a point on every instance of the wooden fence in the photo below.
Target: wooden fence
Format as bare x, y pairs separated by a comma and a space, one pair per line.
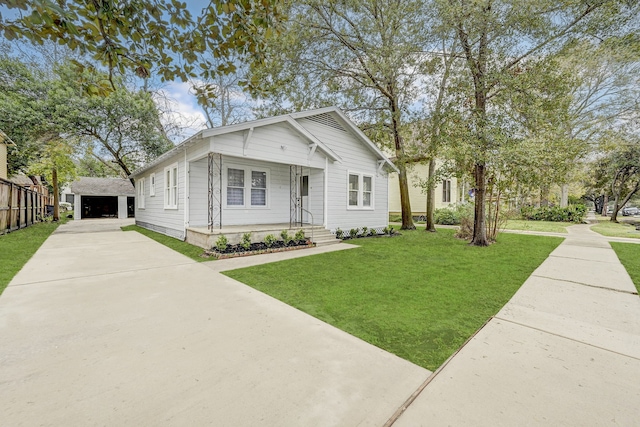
21, 207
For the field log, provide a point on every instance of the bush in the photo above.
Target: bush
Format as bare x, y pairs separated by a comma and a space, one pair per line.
246, 241
270, 240
222, 243
572, 213
299, 236
285, 237
353, 233
339, 234
452, 215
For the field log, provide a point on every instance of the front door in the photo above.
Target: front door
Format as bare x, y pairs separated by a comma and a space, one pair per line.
304, 199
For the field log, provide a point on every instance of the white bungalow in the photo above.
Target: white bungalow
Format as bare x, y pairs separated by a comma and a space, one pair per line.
309, 169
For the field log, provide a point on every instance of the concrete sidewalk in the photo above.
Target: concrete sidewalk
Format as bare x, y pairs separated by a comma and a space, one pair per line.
564, 351
104, 327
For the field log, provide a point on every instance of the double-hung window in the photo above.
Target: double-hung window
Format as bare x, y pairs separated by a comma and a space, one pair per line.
141, 193
235, 187
171, 187
247, 187
152, 185
446, 191
360, 189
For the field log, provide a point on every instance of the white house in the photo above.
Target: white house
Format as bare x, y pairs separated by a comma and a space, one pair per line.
311, 168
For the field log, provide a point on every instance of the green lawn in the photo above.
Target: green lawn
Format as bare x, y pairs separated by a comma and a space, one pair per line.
549, 226
17, 247
193, 252
629, 255
612, 229
419, 295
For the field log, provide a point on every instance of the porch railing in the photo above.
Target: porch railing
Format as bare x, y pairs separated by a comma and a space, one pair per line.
312, 221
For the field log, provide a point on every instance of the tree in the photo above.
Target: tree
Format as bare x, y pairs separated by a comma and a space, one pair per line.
362, 55
56, 165
620, 167
137, 35
120, 128
497, 38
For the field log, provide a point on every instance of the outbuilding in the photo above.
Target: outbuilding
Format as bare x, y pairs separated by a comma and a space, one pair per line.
102, 198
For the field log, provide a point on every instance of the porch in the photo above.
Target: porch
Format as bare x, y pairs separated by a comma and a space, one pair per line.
205, 237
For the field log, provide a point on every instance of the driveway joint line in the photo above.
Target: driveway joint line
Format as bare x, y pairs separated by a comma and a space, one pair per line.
96, 275
582, 259
566, 337
622, 291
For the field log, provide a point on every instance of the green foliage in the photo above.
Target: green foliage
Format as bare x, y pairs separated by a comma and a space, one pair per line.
339, 233
222, 243
629, 255
572, 213
141, 35
286, 238
299, 235
452, 215
245, 242
353, 233
270, 240
420, 311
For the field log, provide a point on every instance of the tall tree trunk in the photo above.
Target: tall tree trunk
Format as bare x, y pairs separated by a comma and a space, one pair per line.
405, 203
605, 205
564, 196
479, 223
431, 196
56, 195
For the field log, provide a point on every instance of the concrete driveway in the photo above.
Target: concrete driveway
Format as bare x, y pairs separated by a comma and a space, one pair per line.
104, 327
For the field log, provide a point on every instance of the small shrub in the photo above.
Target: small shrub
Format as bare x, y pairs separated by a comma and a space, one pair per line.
353, 233
465, 231
286, 238
339, 234
300, 236
364, 231
373, 232
270, 240
222, 243
246, 241
572, 213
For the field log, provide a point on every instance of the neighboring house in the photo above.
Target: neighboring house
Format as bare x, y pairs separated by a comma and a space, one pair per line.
5, 141
447, 191
313, 167
102, 198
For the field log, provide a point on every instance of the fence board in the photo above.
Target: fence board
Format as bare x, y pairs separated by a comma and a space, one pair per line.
20, 207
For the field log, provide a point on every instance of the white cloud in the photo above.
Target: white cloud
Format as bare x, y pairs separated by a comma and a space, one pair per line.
181, 115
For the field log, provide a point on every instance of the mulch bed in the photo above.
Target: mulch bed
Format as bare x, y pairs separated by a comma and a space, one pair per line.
234, 251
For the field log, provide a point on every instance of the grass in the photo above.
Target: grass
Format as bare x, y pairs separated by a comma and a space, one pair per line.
629, 255
419, 296
191, 251
612, 229
17, 247
548, 226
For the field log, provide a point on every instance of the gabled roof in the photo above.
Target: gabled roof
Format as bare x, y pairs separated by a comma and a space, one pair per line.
102, 187
4, 139
290, 119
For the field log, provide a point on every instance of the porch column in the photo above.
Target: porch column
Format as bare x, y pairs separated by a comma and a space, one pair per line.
215, 190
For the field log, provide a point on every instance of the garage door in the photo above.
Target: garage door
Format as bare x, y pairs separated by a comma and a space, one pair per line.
99, 207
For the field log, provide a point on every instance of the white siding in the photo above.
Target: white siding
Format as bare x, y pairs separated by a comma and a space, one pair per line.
198, 193
275, 143
154, 216
316, 195
278, 194
357, 158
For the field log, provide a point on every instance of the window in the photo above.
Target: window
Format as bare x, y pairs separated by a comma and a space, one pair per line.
446, 191
360, 191
247, 185
235, 187
152, 185
258, 188
141, 193
171, 187
353, 189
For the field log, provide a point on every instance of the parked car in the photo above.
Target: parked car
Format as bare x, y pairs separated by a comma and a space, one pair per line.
630, 211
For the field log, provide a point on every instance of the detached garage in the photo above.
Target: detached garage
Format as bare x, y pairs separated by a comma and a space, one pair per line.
103, 198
